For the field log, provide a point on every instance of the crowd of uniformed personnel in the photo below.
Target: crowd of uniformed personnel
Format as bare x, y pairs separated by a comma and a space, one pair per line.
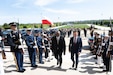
42, 42
102, 48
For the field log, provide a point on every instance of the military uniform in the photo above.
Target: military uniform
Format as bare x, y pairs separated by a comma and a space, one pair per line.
1, 64
1, 59
14, 42
105, 59
40, 44
47, 46
110, 50
108, 53
31, 50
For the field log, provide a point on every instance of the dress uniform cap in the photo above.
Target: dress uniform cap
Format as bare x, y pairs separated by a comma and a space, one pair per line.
36, 31
13, 24
29, 29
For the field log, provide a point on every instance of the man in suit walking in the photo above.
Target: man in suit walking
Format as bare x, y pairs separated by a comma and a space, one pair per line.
58, 47
75, 47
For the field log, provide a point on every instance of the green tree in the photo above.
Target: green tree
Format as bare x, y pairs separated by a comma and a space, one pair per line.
6, 26
35, 26
24, 26
41, 26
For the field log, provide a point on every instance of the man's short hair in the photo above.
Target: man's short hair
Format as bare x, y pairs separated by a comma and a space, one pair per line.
75, 31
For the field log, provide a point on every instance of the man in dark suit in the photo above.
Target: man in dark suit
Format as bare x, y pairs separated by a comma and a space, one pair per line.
58, 47
75, 47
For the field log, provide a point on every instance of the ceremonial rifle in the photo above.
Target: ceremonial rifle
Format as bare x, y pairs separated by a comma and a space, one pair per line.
20, 39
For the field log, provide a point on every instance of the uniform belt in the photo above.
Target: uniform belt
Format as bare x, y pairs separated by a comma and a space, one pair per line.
31, 42
46, 44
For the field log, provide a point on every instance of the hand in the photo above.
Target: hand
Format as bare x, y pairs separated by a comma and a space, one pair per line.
44, 49
78, 53
37, 50
22, 51
20, 46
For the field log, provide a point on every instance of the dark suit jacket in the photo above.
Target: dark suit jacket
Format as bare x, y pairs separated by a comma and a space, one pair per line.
58, 47
75, 47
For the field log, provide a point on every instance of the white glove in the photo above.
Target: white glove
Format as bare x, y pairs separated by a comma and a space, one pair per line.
0, 38
20, 46
43, 46
34, 46
103, 44
48, 48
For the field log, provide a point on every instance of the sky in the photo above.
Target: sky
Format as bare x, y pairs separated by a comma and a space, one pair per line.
33, 11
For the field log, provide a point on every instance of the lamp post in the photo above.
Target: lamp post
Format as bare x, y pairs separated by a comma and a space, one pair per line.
111, 24
111, 40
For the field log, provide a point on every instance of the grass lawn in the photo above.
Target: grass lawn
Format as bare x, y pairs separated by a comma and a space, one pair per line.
81, 26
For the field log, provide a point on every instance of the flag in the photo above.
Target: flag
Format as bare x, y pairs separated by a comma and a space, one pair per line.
47, 22
44, 21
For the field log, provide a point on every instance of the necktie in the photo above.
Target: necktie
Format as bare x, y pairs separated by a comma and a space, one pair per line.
74, 39
57, 40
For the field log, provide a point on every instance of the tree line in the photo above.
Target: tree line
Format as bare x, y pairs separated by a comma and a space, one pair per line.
39, 25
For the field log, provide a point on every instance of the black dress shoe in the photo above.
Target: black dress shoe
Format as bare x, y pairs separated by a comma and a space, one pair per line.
34, 66
41, 62
21, 71
75, 68
24, 69
105, 70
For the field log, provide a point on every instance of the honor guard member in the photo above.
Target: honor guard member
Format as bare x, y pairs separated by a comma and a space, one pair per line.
109, 52
14, 42
47, 46
105, 45
31, 50
98, 52
40, 45
1, 54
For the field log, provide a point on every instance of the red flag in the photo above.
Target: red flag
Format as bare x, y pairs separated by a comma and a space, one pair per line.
45, 21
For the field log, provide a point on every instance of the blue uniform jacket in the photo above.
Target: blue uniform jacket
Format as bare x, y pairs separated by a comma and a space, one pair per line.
39, 42
30, 41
